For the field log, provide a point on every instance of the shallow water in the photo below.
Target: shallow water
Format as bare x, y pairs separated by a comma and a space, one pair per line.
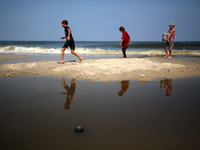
38, 113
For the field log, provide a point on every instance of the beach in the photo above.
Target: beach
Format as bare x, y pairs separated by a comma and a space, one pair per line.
51, 101
115, 69
142, 102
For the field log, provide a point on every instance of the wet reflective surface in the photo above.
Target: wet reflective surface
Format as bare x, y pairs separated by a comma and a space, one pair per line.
43, 112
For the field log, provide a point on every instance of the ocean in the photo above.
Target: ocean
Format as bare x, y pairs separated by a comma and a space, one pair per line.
99, 48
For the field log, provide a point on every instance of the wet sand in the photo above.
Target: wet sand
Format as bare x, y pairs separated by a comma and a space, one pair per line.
33, 114
142, 69
12, 57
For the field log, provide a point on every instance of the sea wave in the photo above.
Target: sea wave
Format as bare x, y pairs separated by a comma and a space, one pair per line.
95, 51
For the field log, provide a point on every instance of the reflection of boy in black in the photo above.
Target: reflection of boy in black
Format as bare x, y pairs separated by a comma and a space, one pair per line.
70, 92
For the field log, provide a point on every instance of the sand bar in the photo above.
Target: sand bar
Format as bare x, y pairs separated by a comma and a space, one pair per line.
142, 69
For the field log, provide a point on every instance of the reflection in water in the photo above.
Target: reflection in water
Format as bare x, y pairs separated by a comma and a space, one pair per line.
167, 85
124, 87
70, 92
143, 121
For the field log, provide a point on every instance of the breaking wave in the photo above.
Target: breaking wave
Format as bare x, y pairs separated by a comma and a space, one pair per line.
95, 51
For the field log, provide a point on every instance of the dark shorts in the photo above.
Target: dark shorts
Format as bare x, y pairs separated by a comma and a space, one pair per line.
169, 44
71, 44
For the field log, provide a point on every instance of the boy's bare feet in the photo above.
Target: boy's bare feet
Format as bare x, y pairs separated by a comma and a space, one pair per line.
169, 57
61, 62
166, 56
80, 59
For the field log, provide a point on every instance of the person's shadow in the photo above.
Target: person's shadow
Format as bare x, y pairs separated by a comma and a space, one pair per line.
124, 87
167, 85
70, 92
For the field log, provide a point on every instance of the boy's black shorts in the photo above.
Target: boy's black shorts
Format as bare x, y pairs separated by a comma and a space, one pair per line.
71, 44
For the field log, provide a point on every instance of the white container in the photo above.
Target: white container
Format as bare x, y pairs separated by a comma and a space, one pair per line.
165, 36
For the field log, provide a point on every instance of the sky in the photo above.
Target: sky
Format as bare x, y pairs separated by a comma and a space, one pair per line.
98, 20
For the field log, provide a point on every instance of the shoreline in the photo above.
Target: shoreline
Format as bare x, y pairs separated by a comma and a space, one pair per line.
115, 69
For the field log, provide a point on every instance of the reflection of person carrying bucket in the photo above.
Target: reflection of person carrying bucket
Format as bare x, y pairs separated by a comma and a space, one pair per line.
167, 85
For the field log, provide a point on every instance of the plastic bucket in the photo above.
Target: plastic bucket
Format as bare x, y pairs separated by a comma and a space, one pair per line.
165, 36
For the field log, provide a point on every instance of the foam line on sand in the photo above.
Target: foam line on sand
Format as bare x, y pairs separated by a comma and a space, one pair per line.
142, 69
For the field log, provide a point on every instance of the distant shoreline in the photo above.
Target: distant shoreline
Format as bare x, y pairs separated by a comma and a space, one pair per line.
84, 41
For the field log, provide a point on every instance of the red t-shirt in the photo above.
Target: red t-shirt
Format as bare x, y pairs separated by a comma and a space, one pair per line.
126, 38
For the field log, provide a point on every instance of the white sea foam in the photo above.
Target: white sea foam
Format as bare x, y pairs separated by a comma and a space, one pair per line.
97, 51
18, 49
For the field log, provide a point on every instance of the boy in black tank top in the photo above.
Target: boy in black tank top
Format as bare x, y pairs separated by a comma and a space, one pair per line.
69, 42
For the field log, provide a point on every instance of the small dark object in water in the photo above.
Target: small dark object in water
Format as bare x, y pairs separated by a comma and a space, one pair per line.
79, 129
10, 112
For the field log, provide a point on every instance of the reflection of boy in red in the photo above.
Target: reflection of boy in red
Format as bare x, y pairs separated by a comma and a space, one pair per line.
125, 40
124, 87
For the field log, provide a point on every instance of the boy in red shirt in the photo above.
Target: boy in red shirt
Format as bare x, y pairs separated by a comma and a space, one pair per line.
125, 41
